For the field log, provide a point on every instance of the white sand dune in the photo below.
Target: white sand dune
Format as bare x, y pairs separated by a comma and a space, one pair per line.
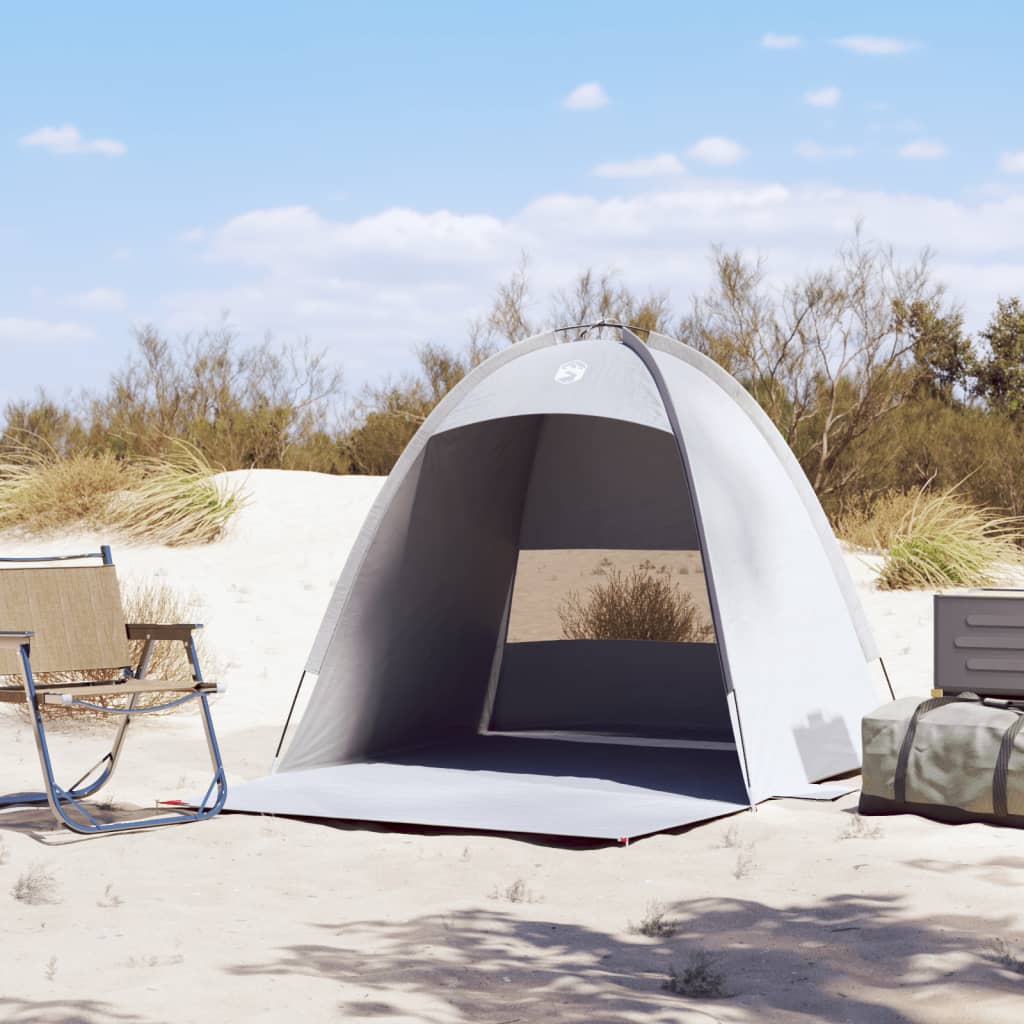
266, 919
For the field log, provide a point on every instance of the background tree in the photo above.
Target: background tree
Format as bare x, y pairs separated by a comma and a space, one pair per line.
827, 357
1000, 372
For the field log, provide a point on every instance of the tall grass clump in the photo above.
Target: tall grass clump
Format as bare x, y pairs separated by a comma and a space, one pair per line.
172, 499
639, 605
42, 492
941, 539
177, 500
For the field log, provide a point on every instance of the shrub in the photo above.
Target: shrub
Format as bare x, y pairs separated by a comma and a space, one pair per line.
35, 886
634, 606
941, 539
655, 924
701, 978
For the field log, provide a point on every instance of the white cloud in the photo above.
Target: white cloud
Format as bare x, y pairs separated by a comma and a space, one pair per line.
1012, 163
774, 41
923, 149
827, 96
191, 235
399, 276
99, 300
24, 330
589, 96
717, 151
876, 46
662, 165
815, 151
300, 233
66, 140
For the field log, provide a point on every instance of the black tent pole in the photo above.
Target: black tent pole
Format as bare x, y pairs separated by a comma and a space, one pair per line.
287, 721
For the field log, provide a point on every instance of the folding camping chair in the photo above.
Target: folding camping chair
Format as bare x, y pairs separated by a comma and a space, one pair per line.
68, 619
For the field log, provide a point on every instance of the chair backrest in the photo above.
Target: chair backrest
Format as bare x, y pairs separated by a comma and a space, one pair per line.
76, 615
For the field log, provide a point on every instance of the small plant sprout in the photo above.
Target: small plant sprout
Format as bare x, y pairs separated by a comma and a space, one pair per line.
655, 923
745, 862
109, 898
5, 854
51, 968
36, 886
858, 828
515, 892
700, 979
731, 838
1003, 954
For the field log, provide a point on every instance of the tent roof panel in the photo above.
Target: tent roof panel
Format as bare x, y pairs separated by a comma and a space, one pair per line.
583, 378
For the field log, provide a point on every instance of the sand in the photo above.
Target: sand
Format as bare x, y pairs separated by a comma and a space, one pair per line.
814, 915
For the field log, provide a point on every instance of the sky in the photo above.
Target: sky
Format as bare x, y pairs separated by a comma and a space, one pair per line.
365, 175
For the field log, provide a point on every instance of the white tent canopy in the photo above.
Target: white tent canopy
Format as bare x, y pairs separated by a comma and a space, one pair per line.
448, 694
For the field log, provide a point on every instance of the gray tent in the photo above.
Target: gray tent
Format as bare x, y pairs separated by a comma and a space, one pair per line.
461, 679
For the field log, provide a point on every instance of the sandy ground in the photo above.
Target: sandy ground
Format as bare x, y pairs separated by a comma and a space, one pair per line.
815, 915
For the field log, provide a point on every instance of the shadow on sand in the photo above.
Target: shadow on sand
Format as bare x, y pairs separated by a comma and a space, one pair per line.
61, 1011
849, 958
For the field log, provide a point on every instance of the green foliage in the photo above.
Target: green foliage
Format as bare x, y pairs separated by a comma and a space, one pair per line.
944, 357
390, 414
948, 444
1000, 374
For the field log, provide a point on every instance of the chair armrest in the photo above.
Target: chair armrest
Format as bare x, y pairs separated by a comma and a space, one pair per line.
161, 631
14, 638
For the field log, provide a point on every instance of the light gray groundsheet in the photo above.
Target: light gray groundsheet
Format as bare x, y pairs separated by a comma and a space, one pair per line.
512, 784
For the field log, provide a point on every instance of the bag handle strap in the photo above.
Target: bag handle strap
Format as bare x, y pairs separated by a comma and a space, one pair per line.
903, 760
1000, 784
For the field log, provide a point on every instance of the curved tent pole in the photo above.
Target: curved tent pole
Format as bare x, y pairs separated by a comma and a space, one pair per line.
640, 350
585, 328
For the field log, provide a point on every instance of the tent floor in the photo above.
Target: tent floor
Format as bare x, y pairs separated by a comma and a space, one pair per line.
514, 784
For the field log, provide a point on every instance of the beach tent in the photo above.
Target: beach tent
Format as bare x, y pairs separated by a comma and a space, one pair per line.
457, 683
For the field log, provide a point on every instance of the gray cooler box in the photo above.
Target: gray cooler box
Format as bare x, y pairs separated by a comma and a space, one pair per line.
950, 758
979, 643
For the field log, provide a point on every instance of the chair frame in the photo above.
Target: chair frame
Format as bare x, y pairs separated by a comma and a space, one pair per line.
132, 683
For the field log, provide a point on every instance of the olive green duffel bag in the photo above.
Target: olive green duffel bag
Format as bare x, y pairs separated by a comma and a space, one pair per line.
949, 758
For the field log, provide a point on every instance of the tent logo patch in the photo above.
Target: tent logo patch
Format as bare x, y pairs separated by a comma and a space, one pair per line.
571, 373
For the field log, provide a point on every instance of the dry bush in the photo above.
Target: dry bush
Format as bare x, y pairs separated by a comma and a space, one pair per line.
874, 523
35, 886
514, 892
943, 540
41, 492
635, 606
656, 923
171, 500
178, 500
701, 978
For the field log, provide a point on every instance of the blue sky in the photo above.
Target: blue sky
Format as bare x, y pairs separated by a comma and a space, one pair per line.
365, 174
